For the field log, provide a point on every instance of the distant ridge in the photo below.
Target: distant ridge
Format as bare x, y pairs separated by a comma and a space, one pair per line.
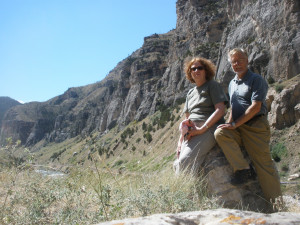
5, 104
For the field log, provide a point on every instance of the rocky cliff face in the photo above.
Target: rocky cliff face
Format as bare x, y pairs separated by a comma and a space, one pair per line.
284, 106
269, 30
153, 75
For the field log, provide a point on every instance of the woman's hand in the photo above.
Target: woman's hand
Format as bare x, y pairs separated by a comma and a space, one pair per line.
195, 132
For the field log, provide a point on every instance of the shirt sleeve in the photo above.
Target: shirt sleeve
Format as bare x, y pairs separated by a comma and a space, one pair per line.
259, 89
217, 93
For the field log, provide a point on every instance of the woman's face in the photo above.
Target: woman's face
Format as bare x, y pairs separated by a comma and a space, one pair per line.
198, 72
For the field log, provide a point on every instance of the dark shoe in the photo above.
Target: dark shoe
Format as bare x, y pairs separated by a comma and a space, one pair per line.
242, 176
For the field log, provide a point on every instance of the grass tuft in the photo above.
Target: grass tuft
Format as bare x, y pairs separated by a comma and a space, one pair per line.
93, 195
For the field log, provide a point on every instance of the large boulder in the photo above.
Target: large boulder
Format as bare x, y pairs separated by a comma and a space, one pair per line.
212, 217
218, 174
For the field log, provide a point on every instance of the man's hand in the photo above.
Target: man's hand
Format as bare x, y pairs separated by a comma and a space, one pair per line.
228, 126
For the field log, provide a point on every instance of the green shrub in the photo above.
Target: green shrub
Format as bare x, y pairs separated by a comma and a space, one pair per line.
150, 128
56, 155
128, 132
144, 126
279, 88
179, 101
163, 117
278, 151
148, 137
271, 80
102, 150
119, 162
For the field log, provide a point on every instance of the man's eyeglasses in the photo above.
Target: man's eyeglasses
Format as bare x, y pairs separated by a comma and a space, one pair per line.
239, 61
197, 68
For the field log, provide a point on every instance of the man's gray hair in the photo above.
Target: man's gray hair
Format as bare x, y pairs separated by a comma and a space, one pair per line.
237, 50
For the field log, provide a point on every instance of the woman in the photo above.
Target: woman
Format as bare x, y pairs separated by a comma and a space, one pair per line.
204, 109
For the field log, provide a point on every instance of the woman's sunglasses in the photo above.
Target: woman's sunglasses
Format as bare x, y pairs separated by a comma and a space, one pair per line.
197, 68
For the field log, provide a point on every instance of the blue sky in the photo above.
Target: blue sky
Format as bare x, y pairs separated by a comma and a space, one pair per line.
47, 46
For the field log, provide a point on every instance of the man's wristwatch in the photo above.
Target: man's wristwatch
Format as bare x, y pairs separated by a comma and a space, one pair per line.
233, 124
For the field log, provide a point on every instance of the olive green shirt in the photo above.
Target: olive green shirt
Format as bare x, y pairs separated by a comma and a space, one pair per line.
200, 101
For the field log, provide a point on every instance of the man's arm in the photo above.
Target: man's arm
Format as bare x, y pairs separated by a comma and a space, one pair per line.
252, 110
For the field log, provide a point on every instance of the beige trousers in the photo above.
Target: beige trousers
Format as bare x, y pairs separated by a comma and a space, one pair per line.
194, 151
255, 137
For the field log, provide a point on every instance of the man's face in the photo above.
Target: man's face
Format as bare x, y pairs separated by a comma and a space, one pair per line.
239, 63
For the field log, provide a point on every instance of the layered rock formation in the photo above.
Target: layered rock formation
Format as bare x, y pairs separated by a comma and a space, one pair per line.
153, 75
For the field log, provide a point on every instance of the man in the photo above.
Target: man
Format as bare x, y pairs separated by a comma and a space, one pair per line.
248, 126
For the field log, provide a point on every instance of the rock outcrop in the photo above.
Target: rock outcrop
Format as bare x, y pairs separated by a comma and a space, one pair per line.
212, 217
153, 75
284, 104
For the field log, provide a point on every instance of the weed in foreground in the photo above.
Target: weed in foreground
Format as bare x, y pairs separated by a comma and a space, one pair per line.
88, 196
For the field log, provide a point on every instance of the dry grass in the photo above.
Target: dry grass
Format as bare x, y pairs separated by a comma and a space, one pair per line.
93, 195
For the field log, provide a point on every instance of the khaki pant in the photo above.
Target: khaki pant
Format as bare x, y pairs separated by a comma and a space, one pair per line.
194, 151
255, 137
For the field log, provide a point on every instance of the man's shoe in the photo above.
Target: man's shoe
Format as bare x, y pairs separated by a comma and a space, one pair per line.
242, 176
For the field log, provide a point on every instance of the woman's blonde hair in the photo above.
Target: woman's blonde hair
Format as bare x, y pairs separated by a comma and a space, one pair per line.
209, 67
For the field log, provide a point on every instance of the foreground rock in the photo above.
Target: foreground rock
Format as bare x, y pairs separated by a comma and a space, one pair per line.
218, 216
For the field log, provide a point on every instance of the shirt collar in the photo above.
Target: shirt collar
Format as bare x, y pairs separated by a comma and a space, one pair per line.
247, 75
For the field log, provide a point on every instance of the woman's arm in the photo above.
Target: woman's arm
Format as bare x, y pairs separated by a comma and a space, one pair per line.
229, 120
215, 117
